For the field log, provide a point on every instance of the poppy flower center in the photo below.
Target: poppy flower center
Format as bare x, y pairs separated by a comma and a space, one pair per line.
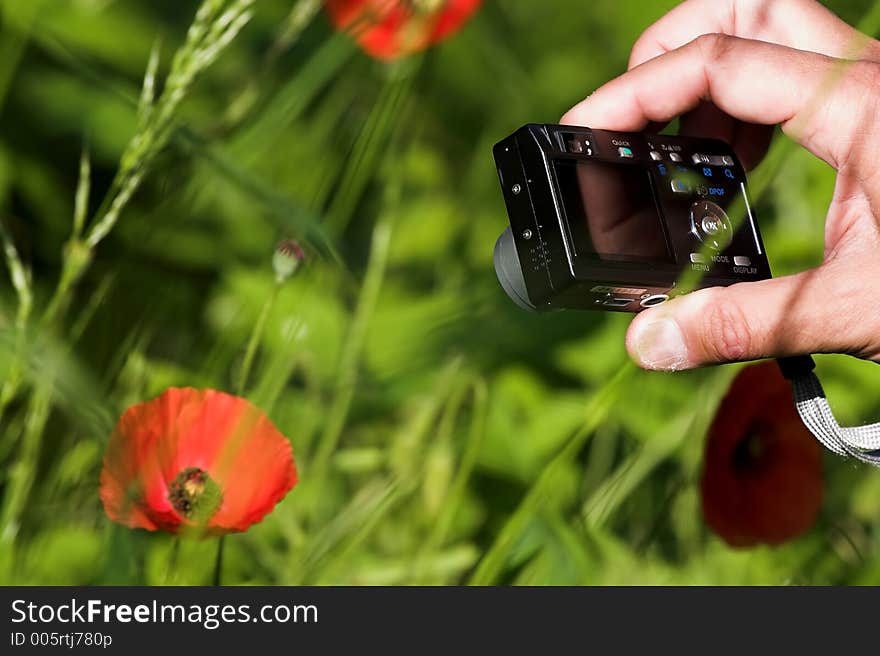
426, 6
751, 452
195, 495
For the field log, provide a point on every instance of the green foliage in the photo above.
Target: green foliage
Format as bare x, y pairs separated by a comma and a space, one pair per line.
441, 435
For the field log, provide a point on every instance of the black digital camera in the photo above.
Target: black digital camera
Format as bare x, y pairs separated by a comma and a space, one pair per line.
614, 221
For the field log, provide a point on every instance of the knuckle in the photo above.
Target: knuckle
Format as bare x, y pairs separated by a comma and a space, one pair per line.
714, 46
867, 73
726, 335
859, 98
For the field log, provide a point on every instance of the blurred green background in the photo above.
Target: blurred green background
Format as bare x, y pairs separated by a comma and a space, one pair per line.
442, 435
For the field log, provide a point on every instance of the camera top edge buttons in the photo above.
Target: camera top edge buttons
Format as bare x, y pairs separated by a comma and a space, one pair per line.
712, 160
625, 152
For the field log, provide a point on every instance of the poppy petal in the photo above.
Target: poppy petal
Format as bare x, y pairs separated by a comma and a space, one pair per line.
762, 474
390, 29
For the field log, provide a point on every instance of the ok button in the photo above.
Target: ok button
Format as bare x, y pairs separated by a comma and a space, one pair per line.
710, 224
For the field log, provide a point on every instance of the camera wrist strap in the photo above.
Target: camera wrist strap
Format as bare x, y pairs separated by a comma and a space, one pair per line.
860, 442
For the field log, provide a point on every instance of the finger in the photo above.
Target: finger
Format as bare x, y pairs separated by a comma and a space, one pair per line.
749, 141
800, 24
819, 101
794, 315
707, 121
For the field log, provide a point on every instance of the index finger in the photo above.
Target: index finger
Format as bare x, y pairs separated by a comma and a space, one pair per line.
818, 101
800, 24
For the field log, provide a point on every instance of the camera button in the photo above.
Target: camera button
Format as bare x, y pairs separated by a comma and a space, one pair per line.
742, 260
656, 156
680, 186
697, 258
711, 225
675, 157
625, 152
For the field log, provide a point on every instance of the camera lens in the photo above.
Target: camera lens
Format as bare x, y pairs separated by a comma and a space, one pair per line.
509, 271
711, 225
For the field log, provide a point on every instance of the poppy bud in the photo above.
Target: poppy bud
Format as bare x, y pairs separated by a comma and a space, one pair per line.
288, 256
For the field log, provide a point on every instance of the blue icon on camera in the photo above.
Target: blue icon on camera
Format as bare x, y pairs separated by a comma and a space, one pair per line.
662, 169
707, 171
729, 173
680, 186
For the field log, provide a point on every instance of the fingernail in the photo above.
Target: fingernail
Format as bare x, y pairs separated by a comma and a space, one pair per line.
660, 345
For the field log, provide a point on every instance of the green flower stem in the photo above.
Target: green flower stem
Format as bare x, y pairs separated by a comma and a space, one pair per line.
23, 472
21, 282
354, 345
218, 563
77, 257
493, 561
171, 570
458, 489
255, 338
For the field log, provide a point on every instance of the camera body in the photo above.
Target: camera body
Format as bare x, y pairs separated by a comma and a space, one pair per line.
614, 221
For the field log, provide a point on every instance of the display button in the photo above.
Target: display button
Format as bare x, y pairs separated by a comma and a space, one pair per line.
625, 152
656, 156
742, 260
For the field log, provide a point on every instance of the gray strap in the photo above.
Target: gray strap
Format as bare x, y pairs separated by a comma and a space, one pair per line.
860, 442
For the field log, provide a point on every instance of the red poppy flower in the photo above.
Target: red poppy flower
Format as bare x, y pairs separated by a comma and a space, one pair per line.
195, 458
762, 474
388, 29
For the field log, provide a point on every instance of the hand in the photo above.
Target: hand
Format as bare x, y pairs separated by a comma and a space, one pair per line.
731, 74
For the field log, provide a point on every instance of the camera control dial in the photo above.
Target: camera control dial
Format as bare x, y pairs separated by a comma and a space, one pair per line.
711, 225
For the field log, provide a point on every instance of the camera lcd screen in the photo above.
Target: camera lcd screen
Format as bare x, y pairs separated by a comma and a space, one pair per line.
611, 211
